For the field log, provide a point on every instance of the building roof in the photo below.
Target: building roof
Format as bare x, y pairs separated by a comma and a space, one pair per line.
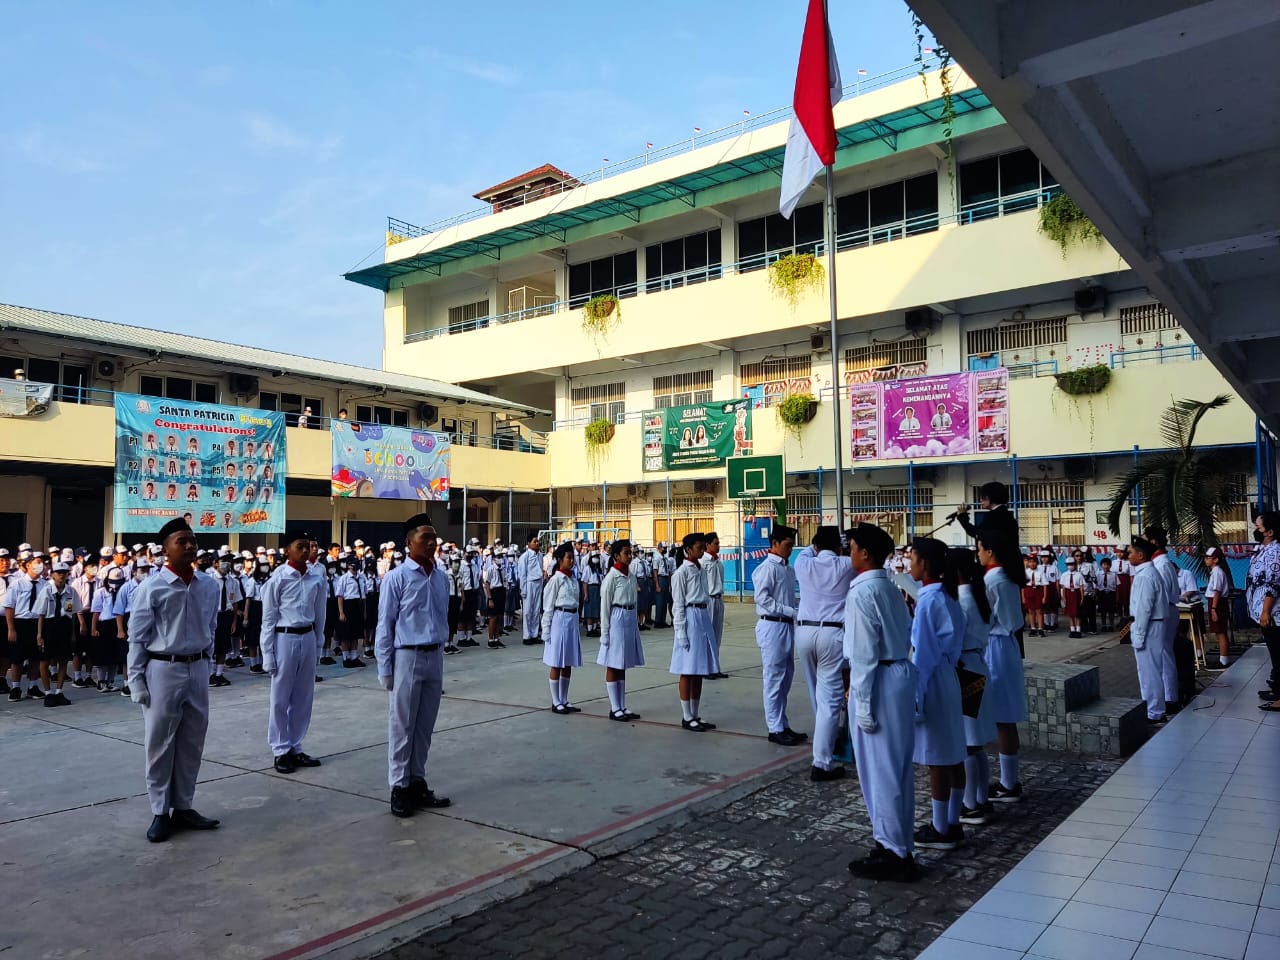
543, 172
102, 334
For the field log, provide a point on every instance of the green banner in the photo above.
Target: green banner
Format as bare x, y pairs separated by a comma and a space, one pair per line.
697, 436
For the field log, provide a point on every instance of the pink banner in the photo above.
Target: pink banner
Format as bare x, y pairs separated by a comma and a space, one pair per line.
956, 414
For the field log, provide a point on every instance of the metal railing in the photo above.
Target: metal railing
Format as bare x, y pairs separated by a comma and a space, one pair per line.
1177, 353
521, 440
1038, 368
408, 231
850, 240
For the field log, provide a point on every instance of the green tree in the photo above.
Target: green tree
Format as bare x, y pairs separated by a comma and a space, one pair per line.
1182, 488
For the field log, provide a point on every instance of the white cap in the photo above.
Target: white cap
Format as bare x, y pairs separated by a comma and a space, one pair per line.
246, 555
1213, 552
24, 546
359, 543
105, 553
259, 550
142, 564
156, 550
60, 567
68, 554
137, 547
121, 548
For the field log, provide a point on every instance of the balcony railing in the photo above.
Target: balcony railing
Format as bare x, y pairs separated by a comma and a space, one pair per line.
854, 239
1177, 353
522, 440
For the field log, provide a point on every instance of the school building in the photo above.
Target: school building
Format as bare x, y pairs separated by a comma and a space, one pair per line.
941, 269
57, 468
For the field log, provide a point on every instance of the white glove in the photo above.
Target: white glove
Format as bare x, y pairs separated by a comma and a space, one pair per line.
604, 640
140, 695
867, 723
1140, 646
388, 682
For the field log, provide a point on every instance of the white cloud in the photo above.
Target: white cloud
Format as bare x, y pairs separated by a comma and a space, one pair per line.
37, 147
267, 131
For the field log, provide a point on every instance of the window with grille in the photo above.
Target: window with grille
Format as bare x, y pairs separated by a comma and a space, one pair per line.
1146, 318
771, 380
683, 516
172, 388
994, 186
887, 361
1021, 344
887, 212
674, 263
1049, 512
608, 275
1150, 334
892, 509
602, 401
467, 315
379, 414
683, 389
1234, 521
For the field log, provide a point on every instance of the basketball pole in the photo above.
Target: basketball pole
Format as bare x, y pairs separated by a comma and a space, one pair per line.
829, 238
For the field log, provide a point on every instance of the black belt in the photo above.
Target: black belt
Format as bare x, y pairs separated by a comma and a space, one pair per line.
716, 596
624, 606
298, 631
818, 623
890, 663
700, 606
773, 619
567, 609
972, 650
178, 657
428, 647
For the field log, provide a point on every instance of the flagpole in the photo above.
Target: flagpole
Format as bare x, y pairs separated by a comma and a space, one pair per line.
829, 238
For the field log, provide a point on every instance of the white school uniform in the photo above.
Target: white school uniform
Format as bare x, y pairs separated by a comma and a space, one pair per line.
1006, 683
620, 645
713, 570
824, 579
1168, 665
178, 619
562, 645
693, 650
937, 635
529, 573
1146, 635
295, 600
413, 627
774, 585
882, 686
979, 730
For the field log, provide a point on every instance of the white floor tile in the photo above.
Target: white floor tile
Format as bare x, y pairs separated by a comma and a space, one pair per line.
1019, 906
1122, 895
1060, 943
1150, 856
1220, 866
1005, 932
1134, 874
1111, 921
1197, 938
1151, 951
1215, 913
1240, 849
1079, 846
1176, 824
1159, 838
1271, 896
1220, 888
1263, 946
1022, 880
1064, 863
944, 948
1267, 921
1092, 831
1108, 802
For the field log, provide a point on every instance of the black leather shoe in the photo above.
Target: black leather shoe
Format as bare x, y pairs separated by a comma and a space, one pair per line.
424, 798
1269, 695
305, 760
799, 737
284, 763
783, 739
401, 802
319, 679
532, 642
161, 828
705, 725
327, 661
818, 775
884, 865
190, 820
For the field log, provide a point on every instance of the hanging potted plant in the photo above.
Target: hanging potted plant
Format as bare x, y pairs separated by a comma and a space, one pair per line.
796, 274
601, 314
597, 436
1063, 222
795, 411
1084, 381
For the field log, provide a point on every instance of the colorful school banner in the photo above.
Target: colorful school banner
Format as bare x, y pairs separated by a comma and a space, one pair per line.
944, 416
697, 436
223, 467
22, 398
390, 463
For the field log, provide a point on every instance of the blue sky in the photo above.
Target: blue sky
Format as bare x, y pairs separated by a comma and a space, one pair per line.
213, 169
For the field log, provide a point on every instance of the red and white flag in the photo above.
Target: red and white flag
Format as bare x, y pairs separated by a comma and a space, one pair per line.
811, 141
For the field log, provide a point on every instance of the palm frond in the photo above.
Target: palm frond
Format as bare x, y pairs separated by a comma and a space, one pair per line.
1150, 468
1195, 411
1173, 426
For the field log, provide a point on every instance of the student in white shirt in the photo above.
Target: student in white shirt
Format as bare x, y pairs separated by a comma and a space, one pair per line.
714, 572
774, 587
620, 646
562, 649
1108, 583
1217, 595
693, 653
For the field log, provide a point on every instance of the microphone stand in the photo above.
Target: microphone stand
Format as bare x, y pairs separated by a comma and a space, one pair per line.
945, 523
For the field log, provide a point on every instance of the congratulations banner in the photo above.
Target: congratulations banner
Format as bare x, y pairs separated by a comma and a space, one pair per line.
222, 467
944, 416
391, 463
697, 436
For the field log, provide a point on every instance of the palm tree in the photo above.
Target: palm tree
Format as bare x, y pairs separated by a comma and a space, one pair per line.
1182, 488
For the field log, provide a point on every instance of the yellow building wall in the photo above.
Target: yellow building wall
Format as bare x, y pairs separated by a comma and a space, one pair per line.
1044, 422
952, 263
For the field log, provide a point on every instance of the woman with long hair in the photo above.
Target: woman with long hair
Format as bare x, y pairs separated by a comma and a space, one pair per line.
620, 646
592, 574
1003, 580
971, 591
563, 648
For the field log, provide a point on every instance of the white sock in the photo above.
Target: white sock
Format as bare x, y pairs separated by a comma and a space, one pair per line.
694, 705
1008, 770
1224, 660
555, 691
76, 676
939, 815
26, 685
615, 697
564, 688
984, 777
954, 805
686, 711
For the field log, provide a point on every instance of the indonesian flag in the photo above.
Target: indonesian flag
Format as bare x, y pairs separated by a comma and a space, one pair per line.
811, 141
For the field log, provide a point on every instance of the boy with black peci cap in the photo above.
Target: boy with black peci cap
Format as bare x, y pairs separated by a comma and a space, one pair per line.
293, 610
413, 627
170, 646
59, 606
882, 695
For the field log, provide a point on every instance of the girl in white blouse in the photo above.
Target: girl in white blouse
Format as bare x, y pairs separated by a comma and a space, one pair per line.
563, 648
620, 646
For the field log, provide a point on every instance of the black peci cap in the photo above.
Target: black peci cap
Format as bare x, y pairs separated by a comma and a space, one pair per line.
416, 521
176, 525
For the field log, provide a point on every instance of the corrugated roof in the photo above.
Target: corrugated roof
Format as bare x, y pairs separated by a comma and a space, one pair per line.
103, 333
537, 173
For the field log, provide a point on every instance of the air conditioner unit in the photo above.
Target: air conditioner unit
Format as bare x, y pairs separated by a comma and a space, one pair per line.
244, 385
1091, 300
921, 321
428, 413
108, 368
704, 486
1078, 468
819, 343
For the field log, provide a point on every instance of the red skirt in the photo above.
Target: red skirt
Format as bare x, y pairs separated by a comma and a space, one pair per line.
1032, 598
1052, 602
1123, 582
1072, 599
